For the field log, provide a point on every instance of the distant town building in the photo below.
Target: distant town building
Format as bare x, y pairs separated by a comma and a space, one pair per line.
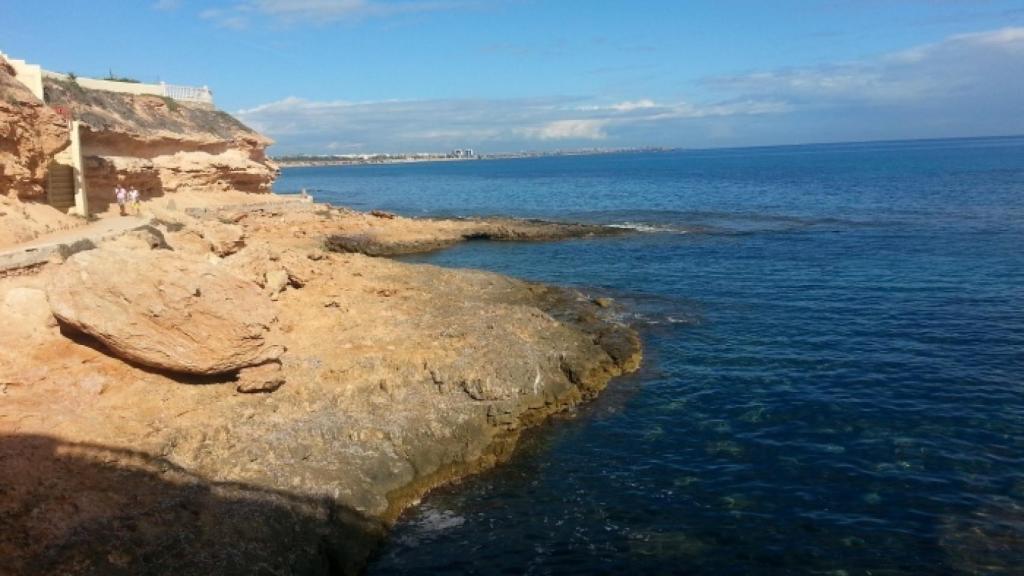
462, 153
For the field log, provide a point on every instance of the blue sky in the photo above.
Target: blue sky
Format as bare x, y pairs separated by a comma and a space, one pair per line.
356, 76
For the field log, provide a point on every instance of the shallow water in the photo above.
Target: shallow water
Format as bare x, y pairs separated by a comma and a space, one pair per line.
834, 355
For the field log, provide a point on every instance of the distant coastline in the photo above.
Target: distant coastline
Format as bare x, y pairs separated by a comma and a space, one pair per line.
307, 160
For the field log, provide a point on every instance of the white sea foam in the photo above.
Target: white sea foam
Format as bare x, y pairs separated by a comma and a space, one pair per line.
653, 228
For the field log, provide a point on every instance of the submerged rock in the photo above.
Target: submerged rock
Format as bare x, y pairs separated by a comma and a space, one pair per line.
164, 311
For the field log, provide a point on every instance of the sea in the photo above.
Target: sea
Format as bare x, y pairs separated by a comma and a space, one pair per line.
833, 380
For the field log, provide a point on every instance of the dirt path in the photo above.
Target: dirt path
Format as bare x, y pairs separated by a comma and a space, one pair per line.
41, 249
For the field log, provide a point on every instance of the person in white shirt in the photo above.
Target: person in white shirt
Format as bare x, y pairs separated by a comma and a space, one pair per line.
133, 200
121, 195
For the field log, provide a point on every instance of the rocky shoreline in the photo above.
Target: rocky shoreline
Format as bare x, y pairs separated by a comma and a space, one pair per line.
247, 389
397, 236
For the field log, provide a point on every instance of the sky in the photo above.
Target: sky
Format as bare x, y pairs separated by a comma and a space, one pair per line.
367, 76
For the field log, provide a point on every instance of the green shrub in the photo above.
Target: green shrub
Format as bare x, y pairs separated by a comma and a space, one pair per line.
113, 78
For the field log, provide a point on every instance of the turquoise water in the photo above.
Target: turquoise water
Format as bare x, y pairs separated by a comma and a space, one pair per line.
834, 380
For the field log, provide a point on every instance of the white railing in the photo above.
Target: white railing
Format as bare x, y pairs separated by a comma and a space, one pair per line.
32, 76
194, 94
188, 93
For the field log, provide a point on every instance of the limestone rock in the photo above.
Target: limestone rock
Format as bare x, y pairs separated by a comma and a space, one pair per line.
224, 239
275, 283
26, 313
30, 134
412, 376
22, 221
145, 238
263, 378
162, 146
188, 241
164, 311
271, 269
373, 235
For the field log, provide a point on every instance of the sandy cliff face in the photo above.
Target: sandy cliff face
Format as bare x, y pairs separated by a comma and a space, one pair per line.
30, 134
161, 145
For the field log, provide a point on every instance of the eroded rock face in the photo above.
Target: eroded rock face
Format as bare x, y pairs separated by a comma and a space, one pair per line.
30, 134
224, 239
162, 146
164, 311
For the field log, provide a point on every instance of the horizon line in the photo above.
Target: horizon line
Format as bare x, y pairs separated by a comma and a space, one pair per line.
628, 149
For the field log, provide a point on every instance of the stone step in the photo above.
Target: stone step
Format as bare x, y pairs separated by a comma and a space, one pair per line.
60, 188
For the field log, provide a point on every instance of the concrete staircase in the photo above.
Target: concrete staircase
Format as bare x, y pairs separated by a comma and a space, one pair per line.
60, 187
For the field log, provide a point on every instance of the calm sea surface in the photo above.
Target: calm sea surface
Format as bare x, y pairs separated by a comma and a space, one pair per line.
834, 376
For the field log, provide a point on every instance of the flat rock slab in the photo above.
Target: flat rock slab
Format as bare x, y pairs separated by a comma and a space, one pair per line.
395, 236
163, 311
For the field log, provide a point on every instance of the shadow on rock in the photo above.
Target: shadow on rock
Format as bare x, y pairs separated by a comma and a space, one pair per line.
89, 509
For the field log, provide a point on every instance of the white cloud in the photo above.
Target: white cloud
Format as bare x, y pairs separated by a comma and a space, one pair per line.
634, 105
963, 62
1012, 38
166, 5
240, 14
965, 85
587, 129
413, 125
234, 19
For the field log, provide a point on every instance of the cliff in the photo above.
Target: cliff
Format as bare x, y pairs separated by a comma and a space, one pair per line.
161, 145
132, 441
30, 135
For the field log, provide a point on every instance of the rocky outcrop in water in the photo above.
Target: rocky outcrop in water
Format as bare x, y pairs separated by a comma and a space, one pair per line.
398, 378
392, 235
